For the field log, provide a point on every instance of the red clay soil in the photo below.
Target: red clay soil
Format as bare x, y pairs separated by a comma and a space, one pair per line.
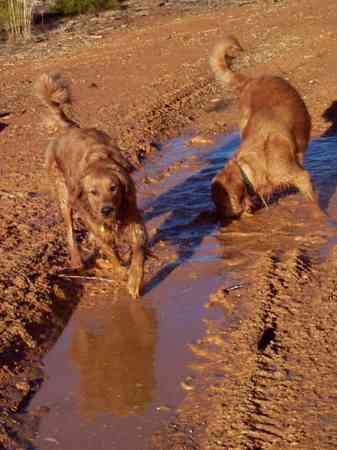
142, 83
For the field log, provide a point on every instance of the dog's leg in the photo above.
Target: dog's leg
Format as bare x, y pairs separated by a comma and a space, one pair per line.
50, 158
300, 157
66, 209
99, 238
108, 250
302, 181
136, 270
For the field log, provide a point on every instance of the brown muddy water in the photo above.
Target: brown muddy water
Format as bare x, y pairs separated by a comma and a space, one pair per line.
121, 368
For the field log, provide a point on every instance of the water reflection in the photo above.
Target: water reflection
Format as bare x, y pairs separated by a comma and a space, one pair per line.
114, 352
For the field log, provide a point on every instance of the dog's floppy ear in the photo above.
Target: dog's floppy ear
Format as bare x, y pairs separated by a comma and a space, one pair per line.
229, 190
129, 191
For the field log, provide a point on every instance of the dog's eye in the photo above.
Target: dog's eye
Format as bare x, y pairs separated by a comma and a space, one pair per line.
113, 188
93, 192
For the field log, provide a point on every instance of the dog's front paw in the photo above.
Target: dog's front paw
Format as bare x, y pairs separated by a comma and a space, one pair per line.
134, 287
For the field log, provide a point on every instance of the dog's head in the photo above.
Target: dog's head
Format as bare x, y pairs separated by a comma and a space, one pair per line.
229, 191
105, 191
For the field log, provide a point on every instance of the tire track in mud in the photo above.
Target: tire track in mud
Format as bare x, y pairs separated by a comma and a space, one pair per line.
267, 377
286, 396
179, 109
267, 419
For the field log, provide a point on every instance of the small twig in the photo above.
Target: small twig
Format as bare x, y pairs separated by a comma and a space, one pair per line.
240, 234
5, 114
233, 288
107, 280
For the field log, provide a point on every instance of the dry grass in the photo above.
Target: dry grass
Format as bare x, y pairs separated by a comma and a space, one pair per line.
20, 13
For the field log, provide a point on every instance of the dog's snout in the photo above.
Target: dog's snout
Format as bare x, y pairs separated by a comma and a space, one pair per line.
106, 210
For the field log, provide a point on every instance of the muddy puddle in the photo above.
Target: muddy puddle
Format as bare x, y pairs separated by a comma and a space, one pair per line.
121, 368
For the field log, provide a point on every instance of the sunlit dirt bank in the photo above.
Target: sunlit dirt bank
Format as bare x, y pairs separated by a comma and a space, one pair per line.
261, 373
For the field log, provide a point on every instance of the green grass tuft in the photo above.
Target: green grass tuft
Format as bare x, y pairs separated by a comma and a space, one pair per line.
73, 7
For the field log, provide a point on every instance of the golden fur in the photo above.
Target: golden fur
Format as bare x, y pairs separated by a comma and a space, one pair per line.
94, 180
275, 129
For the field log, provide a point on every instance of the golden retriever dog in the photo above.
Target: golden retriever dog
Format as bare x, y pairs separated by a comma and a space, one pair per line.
275, 129
94, 181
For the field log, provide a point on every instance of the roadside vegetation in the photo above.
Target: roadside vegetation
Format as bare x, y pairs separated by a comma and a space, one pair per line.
17, 16
73, 7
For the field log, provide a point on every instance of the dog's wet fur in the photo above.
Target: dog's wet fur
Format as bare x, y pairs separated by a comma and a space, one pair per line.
275, 129
94, 180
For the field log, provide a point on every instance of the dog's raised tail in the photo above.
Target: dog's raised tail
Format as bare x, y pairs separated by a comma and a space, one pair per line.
221, 62
54, 92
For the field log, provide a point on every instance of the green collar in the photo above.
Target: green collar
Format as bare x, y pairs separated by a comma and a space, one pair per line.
249, 185
246, 180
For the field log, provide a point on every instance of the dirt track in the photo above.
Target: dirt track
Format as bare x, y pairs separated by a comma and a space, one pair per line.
273, 386
261, 385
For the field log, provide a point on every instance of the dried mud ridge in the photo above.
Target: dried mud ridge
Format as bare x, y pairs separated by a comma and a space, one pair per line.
179, 110
274, 384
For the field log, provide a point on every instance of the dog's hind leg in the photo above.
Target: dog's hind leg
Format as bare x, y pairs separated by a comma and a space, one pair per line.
50, 155
66, 209
290, 171
300, 158
303, 183
301, 179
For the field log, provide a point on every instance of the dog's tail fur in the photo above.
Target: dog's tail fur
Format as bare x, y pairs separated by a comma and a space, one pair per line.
54, 92
221, 62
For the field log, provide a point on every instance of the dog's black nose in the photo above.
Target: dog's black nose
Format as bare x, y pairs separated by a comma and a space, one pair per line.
106, 211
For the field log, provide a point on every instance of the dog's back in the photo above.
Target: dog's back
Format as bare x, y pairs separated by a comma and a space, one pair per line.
280, 103
274, 94
73, 148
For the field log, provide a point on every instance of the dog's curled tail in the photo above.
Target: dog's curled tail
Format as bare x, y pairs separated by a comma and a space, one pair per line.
221, 62
54, 92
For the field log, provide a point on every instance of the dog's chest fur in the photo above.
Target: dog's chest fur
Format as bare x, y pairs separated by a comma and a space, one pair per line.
117, 236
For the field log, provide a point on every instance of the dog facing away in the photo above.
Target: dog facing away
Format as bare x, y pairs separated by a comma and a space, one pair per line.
275, 129
94, 181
